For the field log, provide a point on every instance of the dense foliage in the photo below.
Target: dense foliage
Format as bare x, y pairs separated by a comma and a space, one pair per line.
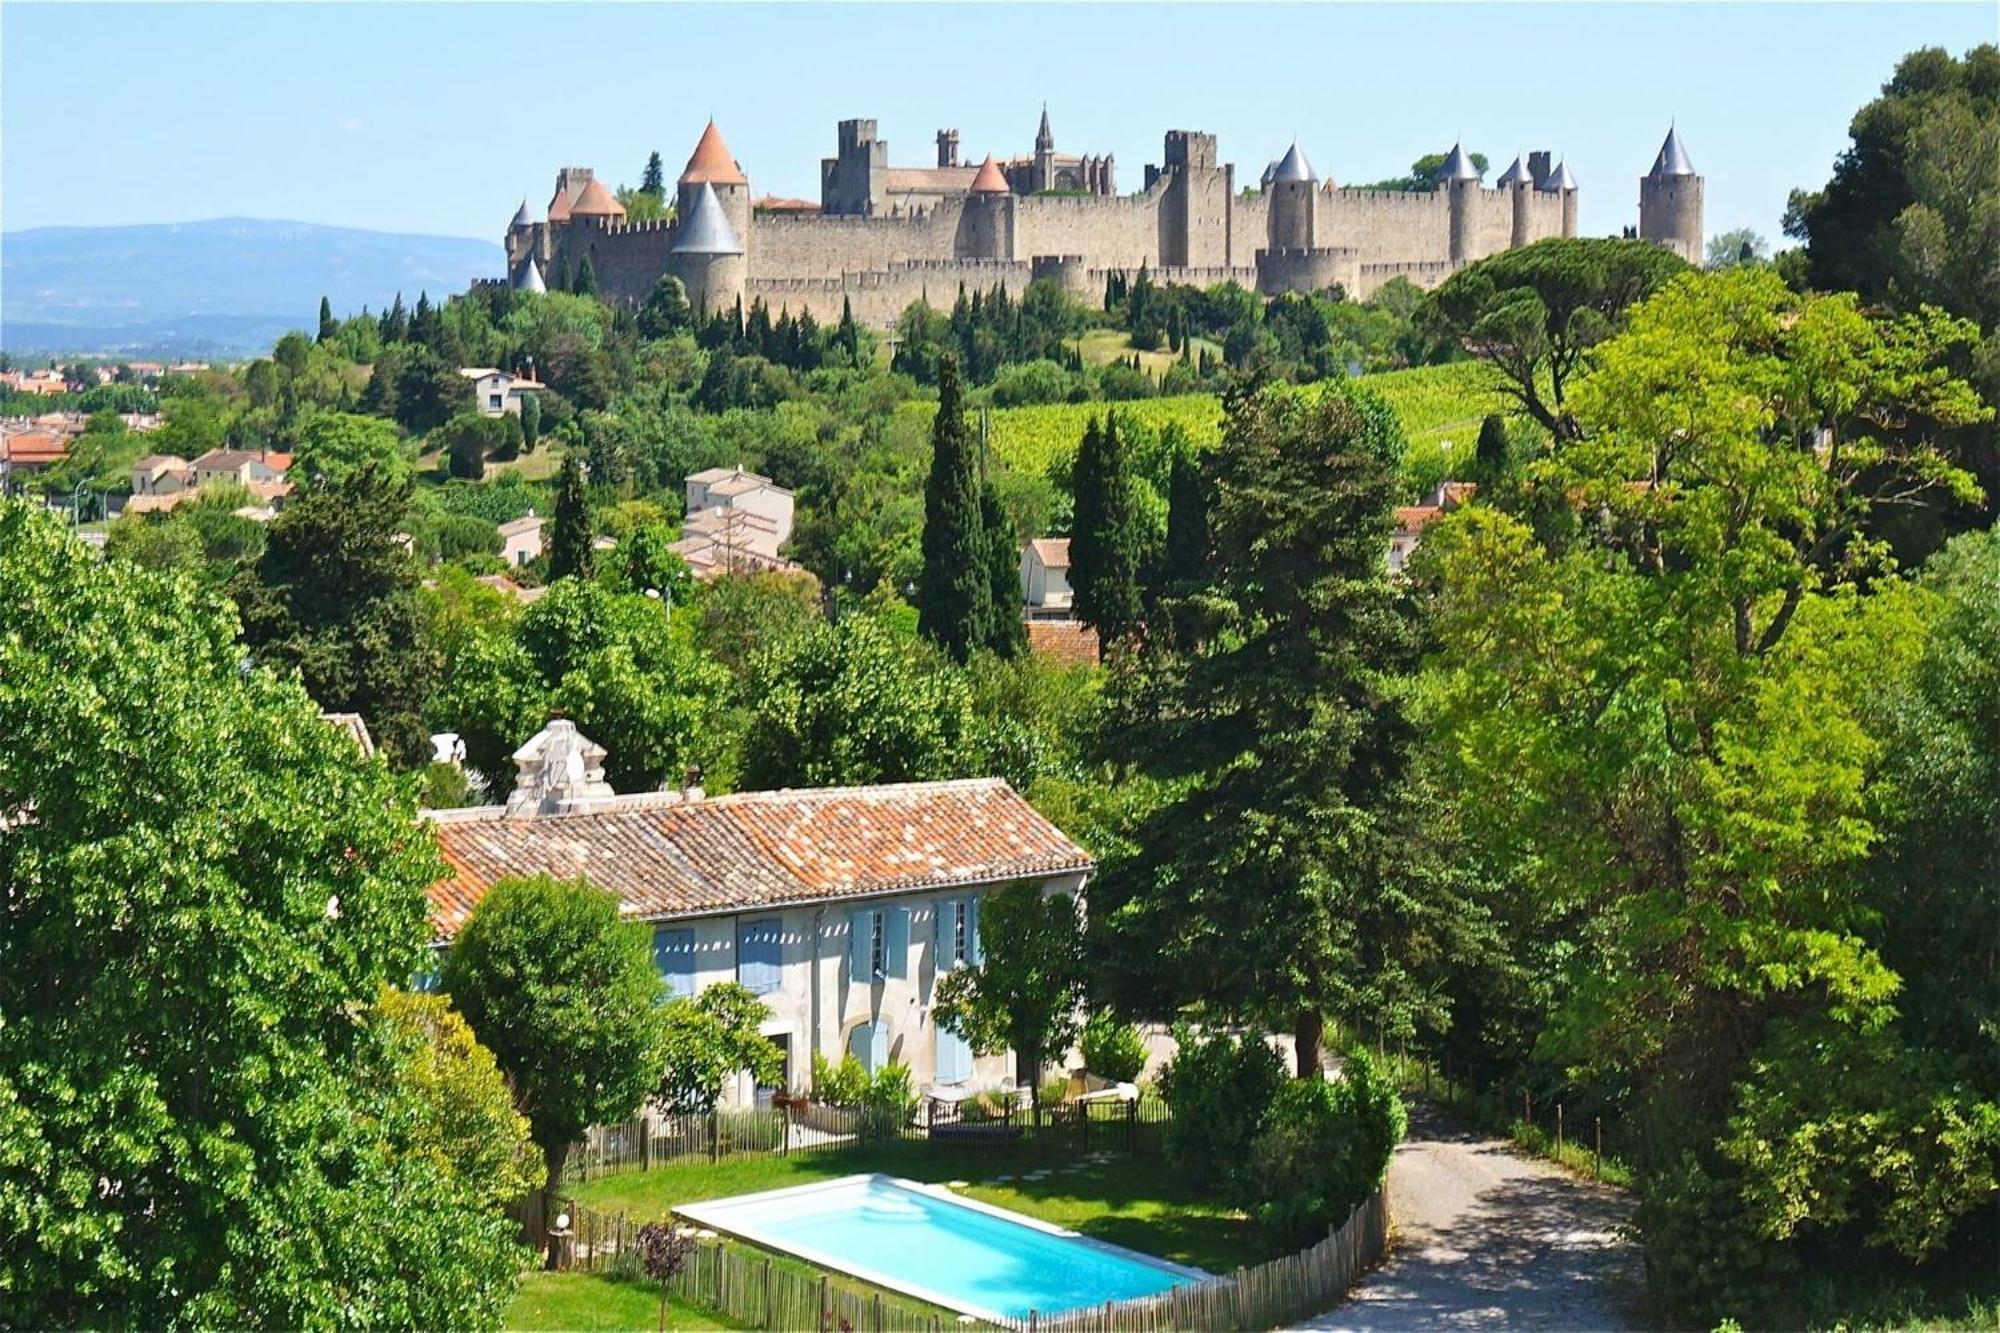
565, 996
1324, 1148
207, 889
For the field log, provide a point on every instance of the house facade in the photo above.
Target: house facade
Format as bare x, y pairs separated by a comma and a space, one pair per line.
841, 908
495, 393
1045, 590
521, 540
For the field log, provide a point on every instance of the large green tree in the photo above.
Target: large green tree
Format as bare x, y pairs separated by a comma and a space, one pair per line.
1026, 993
1104, 547
207, 887
1535, 313
632, 678
1663, 728
334, 597
954, 592
566, 997
1268, 888
846, 704
708, 1039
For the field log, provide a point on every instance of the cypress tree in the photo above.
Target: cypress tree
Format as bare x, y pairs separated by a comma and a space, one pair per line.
954, 594
569, 545
329, 327
653, 180
1187, 513
586, 277
531, 421
850, 333
1491, 454
395, 324
1104, 540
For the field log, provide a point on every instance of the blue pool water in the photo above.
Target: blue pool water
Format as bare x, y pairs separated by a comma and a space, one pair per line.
939, 1248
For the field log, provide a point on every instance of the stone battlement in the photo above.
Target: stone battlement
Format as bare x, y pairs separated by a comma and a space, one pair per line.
887, 234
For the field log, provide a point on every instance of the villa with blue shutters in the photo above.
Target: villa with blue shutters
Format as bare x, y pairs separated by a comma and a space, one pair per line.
840, 907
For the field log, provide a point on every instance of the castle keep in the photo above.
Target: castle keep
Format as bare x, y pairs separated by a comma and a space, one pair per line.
882, 237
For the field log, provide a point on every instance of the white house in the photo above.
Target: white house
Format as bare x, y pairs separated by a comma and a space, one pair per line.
1045, 589
242, 467
521, 540
841, 907
757, 507
495, 392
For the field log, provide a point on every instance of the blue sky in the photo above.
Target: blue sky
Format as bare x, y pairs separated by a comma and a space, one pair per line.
438, 118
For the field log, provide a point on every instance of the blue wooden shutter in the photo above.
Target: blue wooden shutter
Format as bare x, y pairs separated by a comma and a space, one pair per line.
954, 1057
941, 934
759, 957
896, 941
975, 952
857, 1044
860, 948
673, 955
878, 1046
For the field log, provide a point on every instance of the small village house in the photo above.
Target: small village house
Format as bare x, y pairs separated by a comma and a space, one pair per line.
521, 540
737, 522
1045, 589
840, 907
495, 392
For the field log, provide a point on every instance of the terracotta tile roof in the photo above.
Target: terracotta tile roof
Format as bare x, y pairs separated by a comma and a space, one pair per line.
989, 180
1053, 552
155, 504
1415, 518
667, 857
559, 207
772, 203
1062, 640
596, 202
930, 180
34, 450
711, 162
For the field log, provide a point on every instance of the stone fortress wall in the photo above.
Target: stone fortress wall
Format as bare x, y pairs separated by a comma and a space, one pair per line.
939, 230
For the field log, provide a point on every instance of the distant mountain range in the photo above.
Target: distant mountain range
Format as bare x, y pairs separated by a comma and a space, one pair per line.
226, 287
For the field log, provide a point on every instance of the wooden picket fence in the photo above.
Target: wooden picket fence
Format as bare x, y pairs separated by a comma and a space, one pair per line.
1270, 1295
750, 1289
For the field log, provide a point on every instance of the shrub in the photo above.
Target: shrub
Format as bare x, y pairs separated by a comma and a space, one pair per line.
1220, 1089
1112, 1049
1323, 1149
885, 1098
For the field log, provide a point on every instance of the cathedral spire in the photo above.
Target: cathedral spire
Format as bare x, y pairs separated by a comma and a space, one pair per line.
1045, 138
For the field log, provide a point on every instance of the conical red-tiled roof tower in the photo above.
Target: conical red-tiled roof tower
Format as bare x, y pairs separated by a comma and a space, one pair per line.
711, 163
989, 180
596, 202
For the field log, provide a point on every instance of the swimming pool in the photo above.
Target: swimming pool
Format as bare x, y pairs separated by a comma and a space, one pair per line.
926, 1242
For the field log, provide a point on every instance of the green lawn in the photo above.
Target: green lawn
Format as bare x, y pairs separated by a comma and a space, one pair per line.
595, 1304
1135, 1201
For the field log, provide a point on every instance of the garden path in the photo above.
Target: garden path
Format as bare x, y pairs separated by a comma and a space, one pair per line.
1488, 1237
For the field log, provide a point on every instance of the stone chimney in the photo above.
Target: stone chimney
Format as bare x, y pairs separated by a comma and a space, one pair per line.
560, 765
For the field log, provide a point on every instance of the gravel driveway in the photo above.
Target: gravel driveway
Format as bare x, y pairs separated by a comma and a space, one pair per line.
1488, 1238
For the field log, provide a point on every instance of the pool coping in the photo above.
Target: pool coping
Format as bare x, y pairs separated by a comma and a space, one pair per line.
694, 1212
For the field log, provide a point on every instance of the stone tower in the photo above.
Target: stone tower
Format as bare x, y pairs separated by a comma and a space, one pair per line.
1045, 154
707, 256
986, 226
947, 145
1459, 179
712, 165
1519, 184
856, 179
1560, 182
1293, 220
1670, 201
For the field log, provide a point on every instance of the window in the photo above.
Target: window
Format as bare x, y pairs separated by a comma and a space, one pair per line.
869, 1043
760, 956
879, 943
493, 401
673, 955
954, 1058
957, 933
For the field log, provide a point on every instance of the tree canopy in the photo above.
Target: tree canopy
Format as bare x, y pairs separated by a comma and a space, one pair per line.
207, 889
565, 996
1536, 313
